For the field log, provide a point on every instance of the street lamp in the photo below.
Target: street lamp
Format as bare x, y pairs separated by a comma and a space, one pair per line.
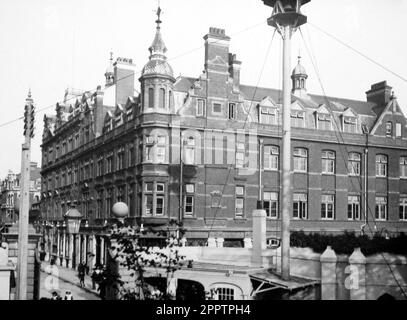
73, 221
120, 211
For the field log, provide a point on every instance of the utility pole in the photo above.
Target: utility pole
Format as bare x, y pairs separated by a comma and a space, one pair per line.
22, 263
286, 18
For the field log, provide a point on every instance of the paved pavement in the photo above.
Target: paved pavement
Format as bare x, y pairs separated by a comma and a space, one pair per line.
65, 279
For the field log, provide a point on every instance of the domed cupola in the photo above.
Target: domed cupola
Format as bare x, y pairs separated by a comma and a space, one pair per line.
157, 64
157, 78
299, 78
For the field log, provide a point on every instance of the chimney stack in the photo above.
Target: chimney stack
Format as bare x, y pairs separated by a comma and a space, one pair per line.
234, 70
380, 93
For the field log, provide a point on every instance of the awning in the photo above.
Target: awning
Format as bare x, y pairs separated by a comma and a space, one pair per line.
270, 280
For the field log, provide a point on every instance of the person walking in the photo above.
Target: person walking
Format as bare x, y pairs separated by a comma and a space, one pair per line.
81, 274
68, 295
96, 276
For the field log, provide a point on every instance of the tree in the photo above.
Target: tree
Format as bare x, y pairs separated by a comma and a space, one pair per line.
127, 250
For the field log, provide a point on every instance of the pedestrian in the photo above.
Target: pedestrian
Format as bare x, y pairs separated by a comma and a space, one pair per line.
81, 274
96, 275
68, 295
55, 296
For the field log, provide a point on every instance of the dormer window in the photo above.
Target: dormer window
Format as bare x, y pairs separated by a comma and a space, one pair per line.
268, 115
119, 120
129, 114
324, 122
349, 124
298, 119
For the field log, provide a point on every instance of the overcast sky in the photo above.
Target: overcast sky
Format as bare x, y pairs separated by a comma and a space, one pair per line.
49, 45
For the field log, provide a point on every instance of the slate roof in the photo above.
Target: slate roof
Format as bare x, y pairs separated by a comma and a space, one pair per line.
364, 108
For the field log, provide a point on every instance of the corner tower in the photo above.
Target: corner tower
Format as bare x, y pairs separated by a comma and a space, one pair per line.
157, 79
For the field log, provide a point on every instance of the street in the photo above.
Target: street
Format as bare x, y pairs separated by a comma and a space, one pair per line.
77, 292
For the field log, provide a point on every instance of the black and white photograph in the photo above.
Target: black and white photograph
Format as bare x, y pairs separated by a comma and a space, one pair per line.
209, 153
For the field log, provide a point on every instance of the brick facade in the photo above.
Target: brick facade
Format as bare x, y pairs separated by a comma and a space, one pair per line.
129, 150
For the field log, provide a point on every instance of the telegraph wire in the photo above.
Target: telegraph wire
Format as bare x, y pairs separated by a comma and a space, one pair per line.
357, 51
130, 75
244, 126
341, 143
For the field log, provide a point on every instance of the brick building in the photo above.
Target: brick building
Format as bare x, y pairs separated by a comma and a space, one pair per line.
10, 194
124, 141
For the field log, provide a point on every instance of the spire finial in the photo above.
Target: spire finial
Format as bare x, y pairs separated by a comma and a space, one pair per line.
158, 12
111, 56
29, 93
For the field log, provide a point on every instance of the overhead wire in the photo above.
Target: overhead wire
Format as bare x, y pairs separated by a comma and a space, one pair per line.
244, 127
341, 142
185, 53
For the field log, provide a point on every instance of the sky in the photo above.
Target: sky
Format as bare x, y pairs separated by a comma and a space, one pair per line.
49, 45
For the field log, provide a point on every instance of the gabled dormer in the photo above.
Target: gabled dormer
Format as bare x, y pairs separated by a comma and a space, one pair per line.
118, 116
108, 122
298, 115
392, 122
323, 118
268, 111
350, 123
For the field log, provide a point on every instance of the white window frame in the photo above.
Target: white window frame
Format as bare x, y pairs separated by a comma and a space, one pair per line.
300, 200
381, 165
381, 210
203, 105
403, 208
189, 193
239, 201
271, 197
350, 124
327, 201
324, 119
300, 156
273, 157
240, 155
403, 167
354, 163
298, 119
328, 162
232, 107
354, 213
398, 130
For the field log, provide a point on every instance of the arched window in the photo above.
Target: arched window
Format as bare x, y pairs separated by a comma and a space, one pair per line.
302, 83
151, 98
162, 99
297, 83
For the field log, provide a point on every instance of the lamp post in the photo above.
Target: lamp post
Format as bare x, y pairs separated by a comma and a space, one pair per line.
286, 18
73, 220
121, 211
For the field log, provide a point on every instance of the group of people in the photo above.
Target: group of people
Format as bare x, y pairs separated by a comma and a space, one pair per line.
56, 296
96, 276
